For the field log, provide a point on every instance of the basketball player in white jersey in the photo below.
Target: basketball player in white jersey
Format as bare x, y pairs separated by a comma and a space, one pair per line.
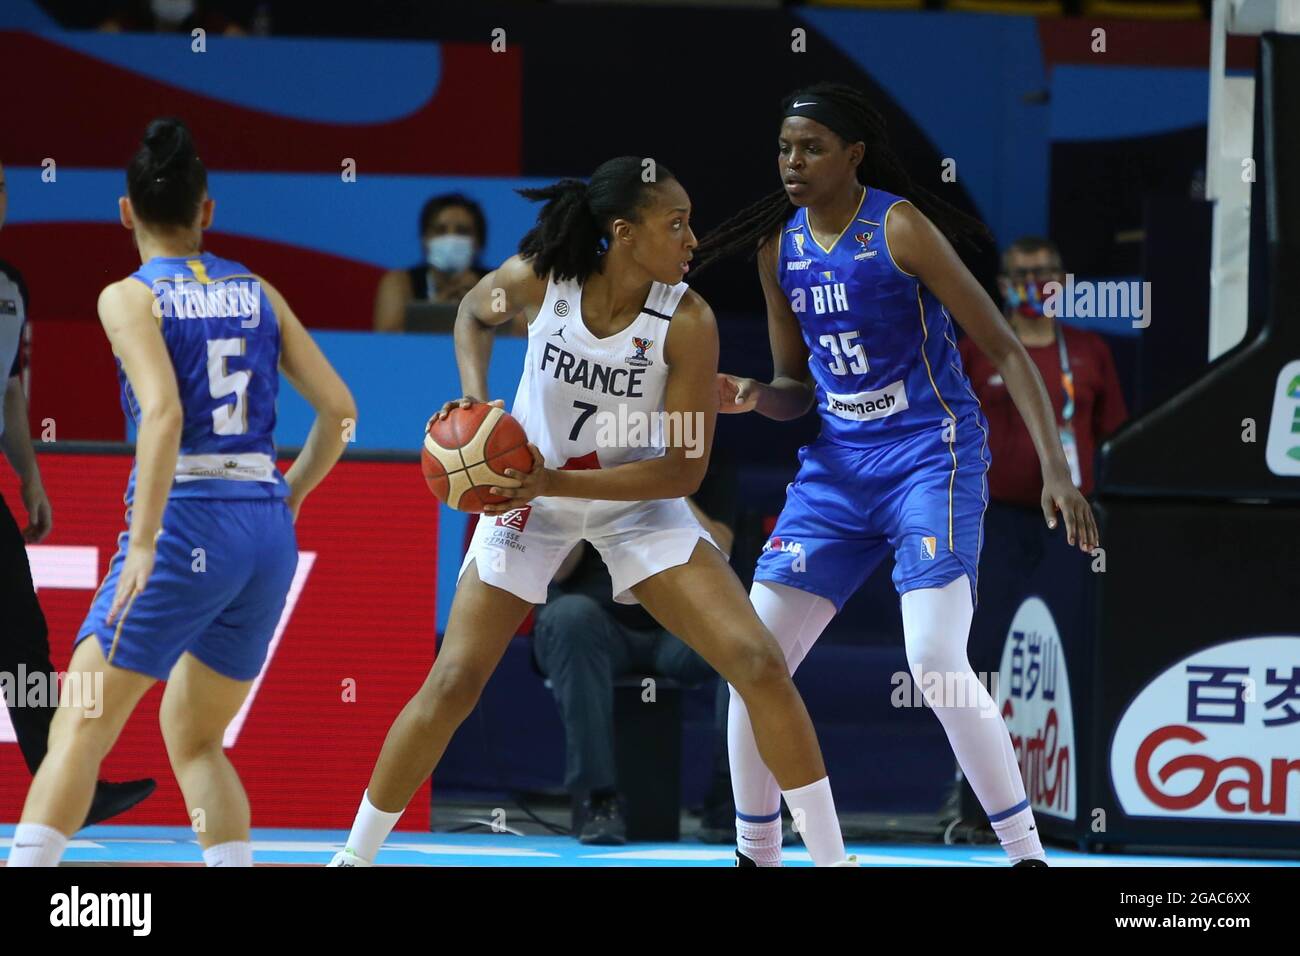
612, 329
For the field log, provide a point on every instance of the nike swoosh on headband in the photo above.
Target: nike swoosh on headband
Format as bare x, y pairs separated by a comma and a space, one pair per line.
797, 105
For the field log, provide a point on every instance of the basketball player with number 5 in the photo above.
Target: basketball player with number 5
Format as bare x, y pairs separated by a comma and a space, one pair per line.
198, 583
614, 334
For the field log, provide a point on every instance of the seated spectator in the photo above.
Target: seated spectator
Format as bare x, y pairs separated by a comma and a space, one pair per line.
583, 641
453, 231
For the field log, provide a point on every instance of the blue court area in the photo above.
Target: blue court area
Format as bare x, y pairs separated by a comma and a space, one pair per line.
176, 846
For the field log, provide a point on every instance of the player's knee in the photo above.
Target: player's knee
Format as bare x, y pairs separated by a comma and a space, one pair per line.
755, 664
74, 730
930, 662
453, 688
187, 744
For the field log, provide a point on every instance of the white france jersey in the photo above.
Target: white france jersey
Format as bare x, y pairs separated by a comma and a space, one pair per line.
589, 402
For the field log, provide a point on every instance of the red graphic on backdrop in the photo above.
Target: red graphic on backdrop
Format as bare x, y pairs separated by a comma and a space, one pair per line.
339, 675
1044, 763
1264, 789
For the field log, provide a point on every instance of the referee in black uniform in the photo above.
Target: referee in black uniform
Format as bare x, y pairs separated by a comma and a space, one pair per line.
24, 639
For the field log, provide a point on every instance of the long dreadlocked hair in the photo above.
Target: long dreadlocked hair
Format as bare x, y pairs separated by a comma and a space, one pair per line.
572, 229
880, 168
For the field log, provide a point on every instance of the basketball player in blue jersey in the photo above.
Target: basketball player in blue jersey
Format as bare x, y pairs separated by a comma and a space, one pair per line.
197, 587
862, 288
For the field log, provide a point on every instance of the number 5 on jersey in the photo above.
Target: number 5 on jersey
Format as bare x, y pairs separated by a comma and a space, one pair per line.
228, 419
841, 346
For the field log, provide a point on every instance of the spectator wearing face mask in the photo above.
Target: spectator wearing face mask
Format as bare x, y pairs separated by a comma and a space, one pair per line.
452, 232
1080, 376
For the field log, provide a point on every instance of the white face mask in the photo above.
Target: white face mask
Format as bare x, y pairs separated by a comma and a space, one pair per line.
172, 11
450, 253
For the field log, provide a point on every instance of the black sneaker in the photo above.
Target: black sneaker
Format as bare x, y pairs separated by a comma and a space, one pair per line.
742, 860
114, 798
1030, 863
602, 822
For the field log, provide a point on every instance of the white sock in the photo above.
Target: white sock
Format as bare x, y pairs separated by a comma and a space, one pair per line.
370, 829
760, 839
1018, 834
815, 819
234, 853
796, 619
36, 845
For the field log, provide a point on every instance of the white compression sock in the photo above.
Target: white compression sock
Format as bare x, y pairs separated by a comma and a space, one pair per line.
370, 829
234, 853
1017, 833
815, 820
936, 625
759, 838
796, 618
36, 845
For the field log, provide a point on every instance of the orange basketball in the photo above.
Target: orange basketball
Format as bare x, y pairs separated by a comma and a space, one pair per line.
467, 452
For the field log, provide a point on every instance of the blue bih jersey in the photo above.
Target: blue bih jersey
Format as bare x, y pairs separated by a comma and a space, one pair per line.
882, 349
224, 342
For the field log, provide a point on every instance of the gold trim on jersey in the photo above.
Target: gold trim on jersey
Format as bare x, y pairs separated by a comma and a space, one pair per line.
834, 243
952, 445
117, 631
910, 275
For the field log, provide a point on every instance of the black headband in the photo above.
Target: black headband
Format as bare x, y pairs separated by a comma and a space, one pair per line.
814, 107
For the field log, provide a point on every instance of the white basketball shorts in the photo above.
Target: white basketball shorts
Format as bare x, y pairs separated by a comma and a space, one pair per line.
520, 551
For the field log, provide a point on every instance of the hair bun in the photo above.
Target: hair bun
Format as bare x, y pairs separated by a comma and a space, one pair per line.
169, 143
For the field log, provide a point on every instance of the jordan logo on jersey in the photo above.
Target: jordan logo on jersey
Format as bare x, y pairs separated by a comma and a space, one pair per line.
640, 346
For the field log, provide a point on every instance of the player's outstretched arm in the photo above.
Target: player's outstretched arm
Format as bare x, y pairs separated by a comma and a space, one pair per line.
126, 310
919, 248
790, 393
309, 371
511, 288
690, 406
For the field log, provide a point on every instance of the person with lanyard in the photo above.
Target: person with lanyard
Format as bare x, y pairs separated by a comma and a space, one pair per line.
1079, 372
24, 636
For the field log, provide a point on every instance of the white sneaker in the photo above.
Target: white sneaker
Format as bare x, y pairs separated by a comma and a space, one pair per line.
345, 857
850, 860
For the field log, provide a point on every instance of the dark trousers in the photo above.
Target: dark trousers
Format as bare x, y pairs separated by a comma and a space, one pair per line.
1015, 541
24, 640
580, 646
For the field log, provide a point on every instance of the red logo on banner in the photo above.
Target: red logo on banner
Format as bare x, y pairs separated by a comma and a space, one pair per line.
515, 520
1264, 789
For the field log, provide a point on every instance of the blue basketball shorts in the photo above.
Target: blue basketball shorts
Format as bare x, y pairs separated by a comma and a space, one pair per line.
221, 573
921, 496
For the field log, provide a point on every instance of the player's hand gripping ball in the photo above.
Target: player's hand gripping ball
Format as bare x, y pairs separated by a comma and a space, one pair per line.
468, 450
